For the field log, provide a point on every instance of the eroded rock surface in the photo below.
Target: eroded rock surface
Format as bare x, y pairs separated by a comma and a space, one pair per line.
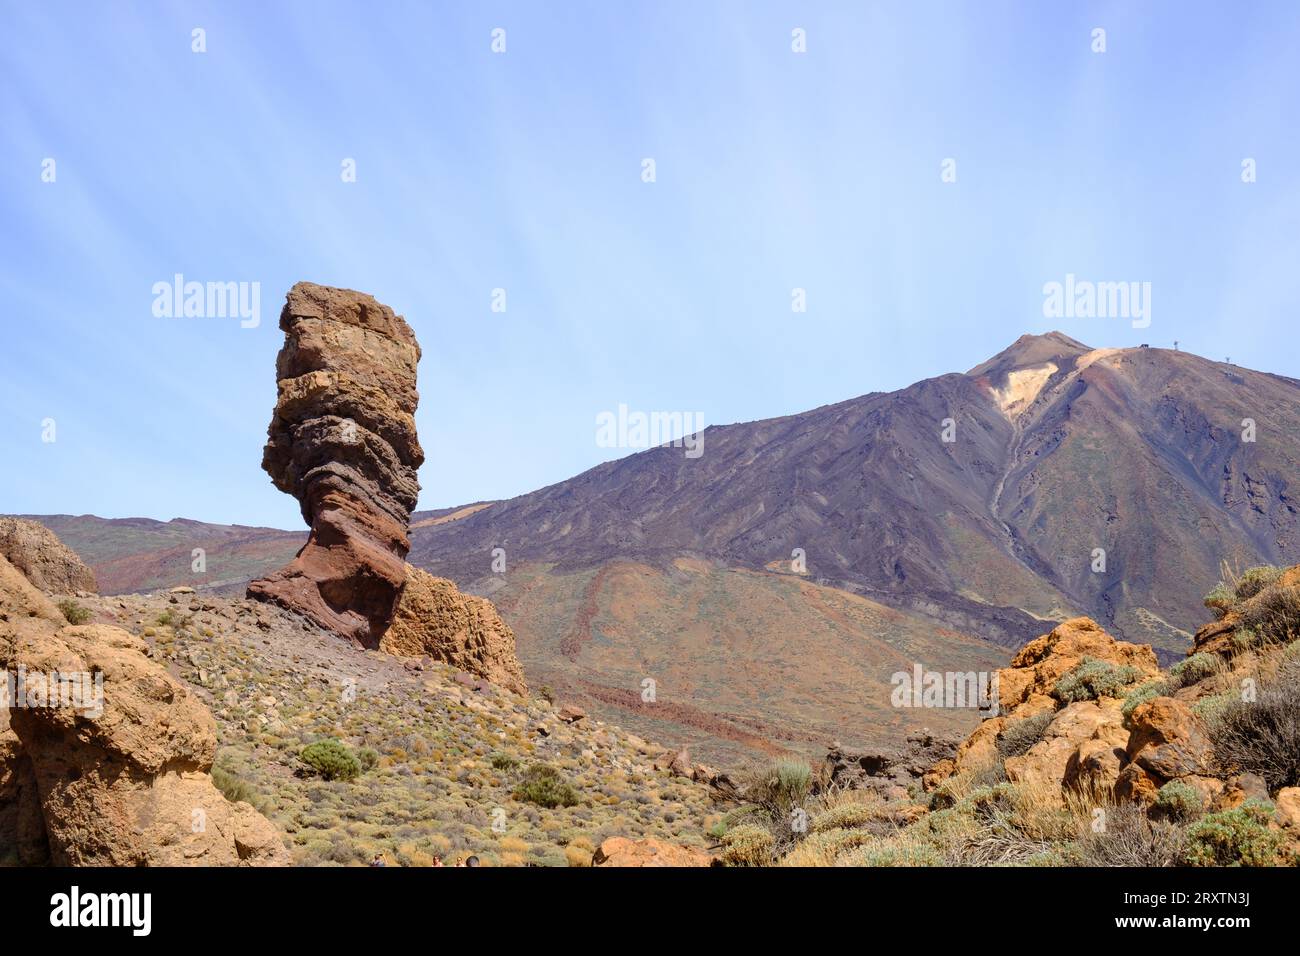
434, 619
116, 772
343, 442
43, 559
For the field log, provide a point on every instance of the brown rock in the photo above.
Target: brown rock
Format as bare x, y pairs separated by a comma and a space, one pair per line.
1136, 785
1287, 803
571, 714
119, 779
343, 442
1240, 788
1168, 740
43, 559
1047, 763
620, 851
676, 762
434, 619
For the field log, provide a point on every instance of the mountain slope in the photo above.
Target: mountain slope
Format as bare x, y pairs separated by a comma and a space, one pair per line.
1058, 450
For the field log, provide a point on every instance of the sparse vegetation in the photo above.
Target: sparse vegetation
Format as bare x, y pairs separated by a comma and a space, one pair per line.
1273, 615
747, 845
1261, 736
1124, 836
1092, 679
1237, 837
73, 612
1020, 735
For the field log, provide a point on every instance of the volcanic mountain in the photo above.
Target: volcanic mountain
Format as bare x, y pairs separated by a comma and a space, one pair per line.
1052, 480
762, 594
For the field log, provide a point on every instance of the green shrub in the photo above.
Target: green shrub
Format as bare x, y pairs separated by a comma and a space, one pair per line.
901, 853
747, 845
504, 761
1274, 615
1018, 736
1254, 580
1221, 599
232, 788
1209, 708
368, 757
544, 786
546, 694
1092, 679
332, 760
1178, 801
847, 816
1193, 670
1237, 837
779, 787
1140, 695
74, 612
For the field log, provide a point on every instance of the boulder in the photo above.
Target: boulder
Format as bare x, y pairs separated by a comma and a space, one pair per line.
105, 757
1168, 740
342, 440
620, 851
571, 714
434, 619
1047, 763
39, 555
1287, 803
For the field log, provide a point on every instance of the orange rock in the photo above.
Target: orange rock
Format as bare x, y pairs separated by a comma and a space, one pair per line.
1168, 740
435, 619
117, 774
620, 851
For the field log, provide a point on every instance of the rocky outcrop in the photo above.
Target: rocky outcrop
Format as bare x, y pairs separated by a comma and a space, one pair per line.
1167, 743
620, 851
889, 772
104, 757
434, 619
343, 442
43, 559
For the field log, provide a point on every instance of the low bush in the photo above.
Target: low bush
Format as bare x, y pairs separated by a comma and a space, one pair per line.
1140, 695
1260, 736
1124, 836
747, 845
332, 760
1020, 735
1254, 580
779, 787
1237, 837
1178, 801
1193, 670
232, 787
1092, 679
1273, 615
545, 786
73, 612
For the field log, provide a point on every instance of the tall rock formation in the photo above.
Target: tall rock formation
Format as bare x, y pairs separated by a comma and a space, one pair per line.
45, 560
342, 441
104, 757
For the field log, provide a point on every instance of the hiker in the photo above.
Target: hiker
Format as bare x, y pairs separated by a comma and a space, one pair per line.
378, 860
471, 861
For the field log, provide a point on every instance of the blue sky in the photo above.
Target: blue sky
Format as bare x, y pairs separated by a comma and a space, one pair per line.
523, 171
